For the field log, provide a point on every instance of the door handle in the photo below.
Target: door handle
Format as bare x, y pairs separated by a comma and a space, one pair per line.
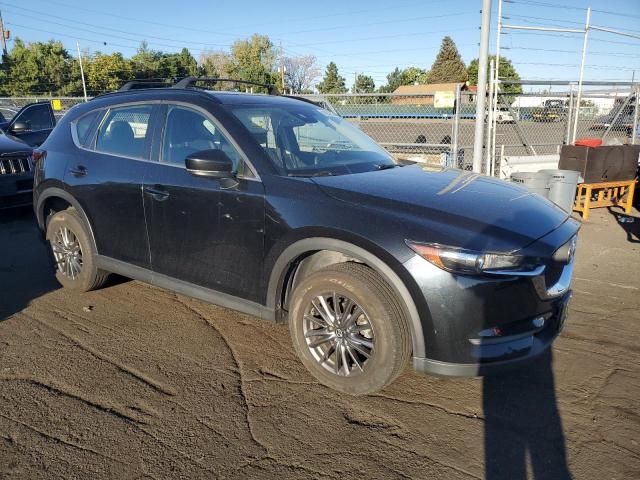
79, 171
157, 192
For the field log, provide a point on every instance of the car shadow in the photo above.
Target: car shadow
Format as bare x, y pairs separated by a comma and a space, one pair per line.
26, 268
523, 427
629, 223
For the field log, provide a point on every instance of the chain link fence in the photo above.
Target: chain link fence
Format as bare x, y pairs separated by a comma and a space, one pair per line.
438, 128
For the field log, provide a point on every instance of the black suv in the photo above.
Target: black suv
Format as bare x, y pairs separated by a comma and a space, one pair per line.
28, 128
278, 208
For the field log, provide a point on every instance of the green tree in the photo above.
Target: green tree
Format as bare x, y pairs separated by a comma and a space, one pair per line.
448, 66
147, 63
364, 84
332, 82
37, 67
506, 71
253, 60
105, 73
407, 76
178, 65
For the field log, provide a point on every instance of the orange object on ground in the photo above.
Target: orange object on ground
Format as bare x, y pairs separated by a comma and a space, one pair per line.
589, 142
605, 194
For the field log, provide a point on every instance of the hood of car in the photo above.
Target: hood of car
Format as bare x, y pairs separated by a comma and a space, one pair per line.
451, 207
11, 144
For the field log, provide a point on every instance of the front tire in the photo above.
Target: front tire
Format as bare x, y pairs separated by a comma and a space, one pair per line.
72, 252
349, 329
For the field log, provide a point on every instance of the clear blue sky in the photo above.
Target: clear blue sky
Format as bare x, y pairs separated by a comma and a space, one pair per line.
370, 37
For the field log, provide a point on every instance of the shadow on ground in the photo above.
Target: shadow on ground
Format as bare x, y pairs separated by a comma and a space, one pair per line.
26, 270
629, 223
523, 428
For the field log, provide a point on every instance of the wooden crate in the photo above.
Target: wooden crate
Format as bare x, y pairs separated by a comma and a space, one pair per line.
606, 194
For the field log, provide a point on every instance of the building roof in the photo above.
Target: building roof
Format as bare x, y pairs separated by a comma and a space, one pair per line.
429, 88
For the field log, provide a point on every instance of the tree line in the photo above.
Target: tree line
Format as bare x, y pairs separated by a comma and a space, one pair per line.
47, 68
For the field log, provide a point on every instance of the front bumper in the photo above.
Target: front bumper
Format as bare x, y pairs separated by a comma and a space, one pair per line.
507, 355
475, 325
16, 190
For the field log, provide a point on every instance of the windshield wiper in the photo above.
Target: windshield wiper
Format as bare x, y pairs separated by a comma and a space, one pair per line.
314, 174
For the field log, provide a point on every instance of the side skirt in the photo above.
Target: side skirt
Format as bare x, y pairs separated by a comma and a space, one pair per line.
163, 281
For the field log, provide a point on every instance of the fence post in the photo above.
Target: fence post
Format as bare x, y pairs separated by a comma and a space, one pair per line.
567, 138
456, 126
584, 57
482, 85
634, 128
489, 117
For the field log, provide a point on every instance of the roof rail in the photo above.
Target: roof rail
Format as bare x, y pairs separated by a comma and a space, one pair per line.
137, 84
189, 82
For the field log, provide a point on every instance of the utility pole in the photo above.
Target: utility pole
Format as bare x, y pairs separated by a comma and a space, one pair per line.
485, 30
84, 85
4, 36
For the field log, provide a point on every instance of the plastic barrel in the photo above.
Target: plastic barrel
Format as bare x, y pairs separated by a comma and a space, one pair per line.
535, 182
562, 187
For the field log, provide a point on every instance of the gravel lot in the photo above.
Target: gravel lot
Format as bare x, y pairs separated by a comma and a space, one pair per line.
132, 381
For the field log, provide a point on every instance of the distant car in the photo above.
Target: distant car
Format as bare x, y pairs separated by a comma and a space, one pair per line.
621, 116
503, 115
28, 128
552, 111
32, 123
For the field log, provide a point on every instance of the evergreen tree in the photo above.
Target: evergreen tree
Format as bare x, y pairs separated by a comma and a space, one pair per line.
332, 81
364, 84
448, 67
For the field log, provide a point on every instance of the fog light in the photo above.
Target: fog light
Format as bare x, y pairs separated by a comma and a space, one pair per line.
538, 322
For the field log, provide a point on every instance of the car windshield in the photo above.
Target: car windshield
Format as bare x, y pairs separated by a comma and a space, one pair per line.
304, 140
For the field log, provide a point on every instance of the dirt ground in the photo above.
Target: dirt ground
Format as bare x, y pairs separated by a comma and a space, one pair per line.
132, 381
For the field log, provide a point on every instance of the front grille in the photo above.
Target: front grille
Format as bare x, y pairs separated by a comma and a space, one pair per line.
15, 166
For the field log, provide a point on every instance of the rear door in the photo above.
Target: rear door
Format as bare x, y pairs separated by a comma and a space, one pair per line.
33, 123
106, 178
202, 230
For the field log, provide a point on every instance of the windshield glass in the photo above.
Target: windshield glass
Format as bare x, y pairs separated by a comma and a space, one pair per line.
307, 140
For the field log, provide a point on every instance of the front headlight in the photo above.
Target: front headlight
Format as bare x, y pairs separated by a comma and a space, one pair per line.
459, 260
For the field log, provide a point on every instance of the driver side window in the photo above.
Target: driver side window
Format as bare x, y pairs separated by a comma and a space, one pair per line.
188, 131
37, 117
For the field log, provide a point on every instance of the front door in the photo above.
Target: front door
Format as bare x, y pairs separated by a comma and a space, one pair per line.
202, 230
105, 176
33, 123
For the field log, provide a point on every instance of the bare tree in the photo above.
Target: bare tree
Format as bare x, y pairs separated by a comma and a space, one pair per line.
214, 63
301, 73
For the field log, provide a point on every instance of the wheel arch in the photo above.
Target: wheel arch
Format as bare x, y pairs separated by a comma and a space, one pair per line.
53, 196
300, 250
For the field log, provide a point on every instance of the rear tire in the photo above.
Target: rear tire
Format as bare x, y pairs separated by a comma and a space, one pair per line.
72, 252
338, 355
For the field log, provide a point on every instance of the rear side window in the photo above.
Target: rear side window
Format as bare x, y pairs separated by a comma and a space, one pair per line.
83, 127
124, 131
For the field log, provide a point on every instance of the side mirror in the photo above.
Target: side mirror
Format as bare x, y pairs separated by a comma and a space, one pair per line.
210, 163
20, 127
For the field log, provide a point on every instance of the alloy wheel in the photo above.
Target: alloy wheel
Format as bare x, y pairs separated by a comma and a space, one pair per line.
338, 333
67, 253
